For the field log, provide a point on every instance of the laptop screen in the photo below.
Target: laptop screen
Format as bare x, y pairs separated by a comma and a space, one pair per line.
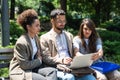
81, 61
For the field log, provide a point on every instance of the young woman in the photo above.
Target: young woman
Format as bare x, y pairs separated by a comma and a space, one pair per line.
27, 61
88, 41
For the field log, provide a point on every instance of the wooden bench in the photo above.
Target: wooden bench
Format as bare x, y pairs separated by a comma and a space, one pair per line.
6, 55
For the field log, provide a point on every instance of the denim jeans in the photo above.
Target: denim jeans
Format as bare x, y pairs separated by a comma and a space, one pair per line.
67, 76
86, 77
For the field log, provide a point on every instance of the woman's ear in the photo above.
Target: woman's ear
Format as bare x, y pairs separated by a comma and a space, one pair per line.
28, 27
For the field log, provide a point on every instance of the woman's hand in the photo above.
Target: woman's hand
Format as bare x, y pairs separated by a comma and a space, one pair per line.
97, 55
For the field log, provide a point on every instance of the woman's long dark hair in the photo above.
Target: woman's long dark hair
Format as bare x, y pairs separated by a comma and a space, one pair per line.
93, 37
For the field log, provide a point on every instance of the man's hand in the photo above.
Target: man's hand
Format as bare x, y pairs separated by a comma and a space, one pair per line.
64, 68
67, 60
39, 55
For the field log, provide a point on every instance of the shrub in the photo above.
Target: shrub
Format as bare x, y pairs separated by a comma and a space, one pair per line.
112, 25
4, 72
15, 31
113, 58
111, 47
109, 35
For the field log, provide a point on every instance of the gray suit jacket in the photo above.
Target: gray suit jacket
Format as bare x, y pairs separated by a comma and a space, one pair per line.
49, 47
22, 64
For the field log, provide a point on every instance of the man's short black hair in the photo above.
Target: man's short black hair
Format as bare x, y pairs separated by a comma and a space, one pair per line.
56, 12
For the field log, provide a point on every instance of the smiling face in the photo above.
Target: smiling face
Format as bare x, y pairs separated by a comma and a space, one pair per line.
86, 32
34, 28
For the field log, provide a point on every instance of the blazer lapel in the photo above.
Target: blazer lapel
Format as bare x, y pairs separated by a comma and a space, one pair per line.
37, 42
53, 40
30, 45
53, 44
69, 44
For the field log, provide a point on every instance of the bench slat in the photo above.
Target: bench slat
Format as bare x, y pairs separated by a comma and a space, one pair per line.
6, 57
4, 78
4, 65
6, 50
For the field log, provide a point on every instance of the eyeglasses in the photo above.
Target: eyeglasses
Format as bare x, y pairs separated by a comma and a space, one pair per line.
61, 22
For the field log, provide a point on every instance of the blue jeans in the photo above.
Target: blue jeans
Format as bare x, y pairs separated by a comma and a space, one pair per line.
67, 76
86, 77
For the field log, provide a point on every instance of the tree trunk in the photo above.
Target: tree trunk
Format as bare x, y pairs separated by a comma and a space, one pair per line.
12, 9
63, 4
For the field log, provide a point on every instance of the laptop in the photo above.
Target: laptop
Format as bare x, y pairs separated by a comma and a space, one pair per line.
81, 61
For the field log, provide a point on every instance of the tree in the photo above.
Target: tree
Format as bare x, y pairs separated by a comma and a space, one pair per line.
99, 10
12, 9
63, 4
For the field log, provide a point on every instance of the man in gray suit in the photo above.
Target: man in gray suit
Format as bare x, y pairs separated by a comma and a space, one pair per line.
57, 47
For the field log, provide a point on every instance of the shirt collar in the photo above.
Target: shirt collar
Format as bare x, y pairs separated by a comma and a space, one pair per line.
55, 33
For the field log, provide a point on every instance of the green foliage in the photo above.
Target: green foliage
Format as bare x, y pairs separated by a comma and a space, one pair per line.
106, 24
112, 25
15, 32
4, 72
44, 10
113, 58
71, 30
73, 23
26, 4
109, 35
41, 33
111, 47
9, 46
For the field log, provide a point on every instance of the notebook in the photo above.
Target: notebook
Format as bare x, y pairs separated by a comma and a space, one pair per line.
105, 67
81, 61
